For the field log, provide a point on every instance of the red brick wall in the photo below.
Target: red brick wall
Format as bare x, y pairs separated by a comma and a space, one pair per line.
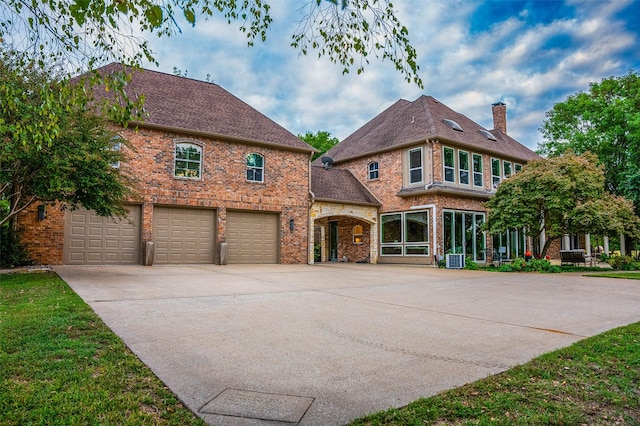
43, 238
223, 186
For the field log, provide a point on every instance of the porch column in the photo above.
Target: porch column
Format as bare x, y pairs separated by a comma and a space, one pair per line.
373, 243
623, 247
566, 242
323, 244
587, 242
310, 252
606, 245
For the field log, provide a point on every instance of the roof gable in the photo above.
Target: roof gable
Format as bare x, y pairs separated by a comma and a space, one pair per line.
405, 123
195, 106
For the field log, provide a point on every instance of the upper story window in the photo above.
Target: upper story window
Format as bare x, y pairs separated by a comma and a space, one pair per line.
188, 161
415, 165
463, 166
255, 167
116, 145
496, 175
373, 170
449, 164
517, 168
507, 169
477, 170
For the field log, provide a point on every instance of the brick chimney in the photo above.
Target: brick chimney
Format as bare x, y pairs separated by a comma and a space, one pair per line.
500, 116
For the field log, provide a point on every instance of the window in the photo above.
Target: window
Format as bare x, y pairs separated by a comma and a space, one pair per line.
188, 160
415, 165
373, 170
517, 168
255, 168
463, 234
455, 126
463, 166
449, 164
495, 172
512, 242
116, 146
357, 234
507, 169
477, 170
405, 234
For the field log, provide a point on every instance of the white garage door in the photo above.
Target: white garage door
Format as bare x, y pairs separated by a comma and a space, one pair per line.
90, 239
253, 237
184, 235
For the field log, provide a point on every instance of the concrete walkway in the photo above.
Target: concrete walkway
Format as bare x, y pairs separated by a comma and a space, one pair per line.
324, 344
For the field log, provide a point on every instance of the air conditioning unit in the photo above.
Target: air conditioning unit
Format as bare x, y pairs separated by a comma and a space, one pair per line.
455, 261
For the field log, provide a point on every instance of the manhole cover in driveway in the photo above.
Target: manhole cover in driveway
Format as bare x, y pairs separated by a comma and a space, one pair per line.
258, 405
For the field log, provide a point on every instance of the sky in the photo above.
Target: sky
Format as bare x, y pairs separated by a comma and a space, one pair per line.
527, 54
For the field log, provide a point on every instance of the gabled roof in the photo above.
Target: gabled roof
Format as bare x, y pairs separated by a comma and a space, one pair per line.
405, 123
338, 185
203, 108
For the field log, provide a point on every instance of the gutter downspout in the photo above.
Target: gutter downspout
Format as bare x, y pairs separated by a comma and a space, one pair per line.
312, 199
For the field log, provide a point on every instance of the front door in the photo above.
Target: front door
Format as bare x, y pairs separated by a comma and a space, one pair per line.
333, 241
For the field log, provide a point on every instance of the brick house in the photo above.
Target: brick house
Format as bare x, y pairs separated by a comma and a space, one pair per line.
217, 181
427, 171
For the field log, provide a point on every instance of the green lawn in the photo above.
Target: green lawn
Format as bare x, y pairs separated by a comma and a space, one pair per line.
625, 275
59, 363
594, 382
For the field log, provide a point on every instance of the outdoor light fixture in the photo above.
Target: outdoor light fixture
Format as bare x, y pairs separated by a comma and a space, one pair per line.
42, 212
291, 224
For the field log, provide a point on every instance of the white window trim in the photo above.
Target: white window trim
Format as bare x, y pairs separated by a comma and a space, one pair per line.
445, 167
195, 144
421, 168
499, 175
481, 172
460, 170
255, 168
370, 170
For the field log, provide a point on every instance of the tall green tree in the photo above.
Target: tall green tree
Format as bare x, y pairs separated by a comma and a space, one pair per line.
76, 165
322, 141
558, 196
89, 33
605, 120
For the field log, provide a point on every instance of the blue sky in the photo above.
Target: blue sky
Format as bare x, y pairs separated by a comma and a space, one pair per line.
528, 54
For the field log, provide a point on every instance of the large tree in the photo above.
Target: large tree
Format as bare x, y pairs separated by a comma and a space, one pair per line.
322, 141
558, 196
89, 33
605, 121
75, 165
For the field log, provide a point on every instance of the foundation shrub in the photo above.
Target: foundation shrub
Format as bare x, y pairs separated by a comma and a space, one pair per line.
624, 263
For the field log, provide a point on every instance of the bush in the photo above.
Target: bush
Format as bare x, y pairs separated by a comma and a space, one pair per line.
534, 265
506, 267
470, 264
12, 252
624, 263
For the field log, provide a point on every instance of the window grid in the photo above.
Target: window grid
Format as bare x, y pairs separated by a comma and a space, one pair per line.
373, 170
188, 161
415, 165
255, 167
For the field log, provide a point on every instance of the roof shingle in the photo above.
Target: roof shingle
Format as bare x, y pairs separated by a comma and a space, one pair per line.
197, 106
339, 185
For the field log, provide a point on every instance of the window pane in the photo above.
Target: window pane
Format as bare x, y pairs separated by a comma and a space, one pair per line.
417, 227
392, 250
464, 177
391, 228
415, 158
449, 157
416, 175
416, 250
464, 160
469, 235
477, 163
448, 232
479, 238
518, 168
507, 169
449, 175
495, 167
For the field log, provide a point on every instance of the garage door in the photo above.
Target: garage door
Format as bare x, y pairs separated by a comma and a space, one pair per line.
90, 239
184, 235
252, 237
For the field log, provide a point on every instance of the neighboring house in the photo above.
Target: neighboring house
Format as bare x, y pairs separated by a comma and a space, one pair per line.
427, 170
210, 170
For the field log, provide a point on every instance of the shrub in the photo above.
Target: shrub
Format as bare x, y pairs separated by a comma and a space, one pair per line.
506, 267
624, 263
470, 264
12, 252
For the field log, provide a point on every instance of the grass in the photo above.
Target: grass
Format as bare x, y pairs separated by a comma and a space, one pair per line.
626, 275
593, 382
60, 364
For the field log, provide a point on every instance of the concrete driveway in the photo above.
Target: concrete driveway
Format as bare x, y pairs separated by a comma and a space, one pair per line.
324, 344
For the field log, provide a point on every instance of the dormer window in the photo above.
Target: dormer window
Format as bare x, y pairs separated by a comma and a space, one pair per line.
487, 134
455, 126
